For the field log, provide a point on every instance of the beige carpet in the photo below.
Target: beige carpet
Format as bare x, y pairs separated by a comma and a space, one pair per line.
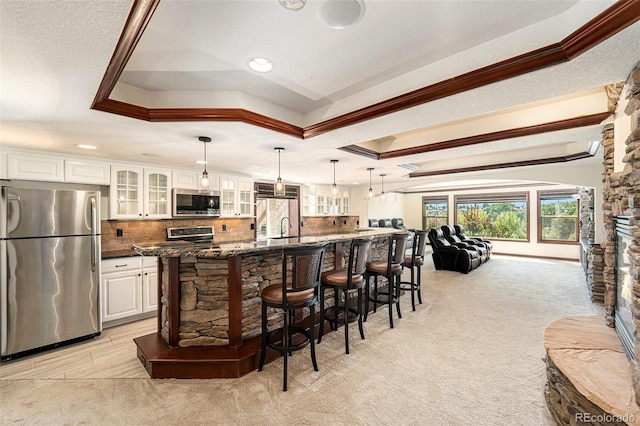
470, 355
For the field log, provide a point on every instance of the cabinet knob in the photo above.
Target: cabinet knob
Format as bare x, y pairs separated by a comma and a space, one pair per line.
139, 274
139, 214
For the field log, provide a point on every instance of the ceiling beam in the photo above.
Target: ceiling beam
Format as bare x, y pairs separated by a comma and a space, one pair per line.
523, 163
554, 126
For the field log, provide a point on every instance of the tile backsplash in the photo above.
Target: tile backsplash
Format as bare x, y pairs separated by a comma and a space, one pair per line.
318, 225
236, 229
145, 231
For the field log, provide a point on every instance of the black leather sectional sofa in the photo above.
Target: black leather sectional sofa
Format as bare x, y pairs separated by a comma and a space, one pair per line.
453, 250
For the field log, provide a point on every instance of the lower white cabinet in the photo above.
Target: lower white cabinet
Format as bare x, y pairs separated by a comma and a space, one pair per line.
149, 284
129, 289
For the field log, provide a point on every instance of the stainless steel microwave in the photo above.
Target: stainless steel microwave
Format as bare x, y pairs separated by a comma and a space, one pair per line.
193, 203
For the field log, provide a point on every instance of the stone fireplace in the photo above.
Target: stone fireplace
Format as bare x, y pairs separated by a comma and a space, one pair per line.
623, 321
621, 211
590, 367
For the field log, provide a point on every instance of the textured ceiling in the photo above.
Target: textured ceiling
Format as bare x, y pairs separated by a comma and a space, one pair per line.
193, 54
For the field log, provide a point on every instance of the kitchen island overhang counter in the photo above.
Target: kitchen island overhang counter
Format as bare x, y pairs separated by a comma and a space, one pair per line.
209, 312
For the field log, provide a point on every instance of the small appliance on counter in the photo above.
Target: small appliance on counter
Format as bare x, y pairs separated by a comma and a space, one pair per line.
49, 268
193, 203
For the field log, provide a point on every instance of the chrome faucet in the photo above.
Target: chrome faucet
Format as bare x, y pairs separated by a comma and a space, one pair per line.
282, 227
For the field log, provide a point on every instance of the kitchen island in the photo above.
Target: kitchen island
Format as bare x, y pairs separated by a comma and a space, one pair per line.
209, 312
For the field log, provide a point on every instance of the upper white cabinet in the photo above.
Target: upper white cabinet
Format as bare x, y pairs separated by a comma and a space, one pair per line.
125, 193
138, 192
319, 200
188, 179
87, 171
157, 193
29, 166
308, 200
236, 196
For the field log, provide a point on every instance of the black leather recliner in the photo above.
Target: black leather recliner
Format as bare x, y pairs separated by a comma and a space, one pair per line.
450, 257
460, 233
373, 223
385, 223
450, 234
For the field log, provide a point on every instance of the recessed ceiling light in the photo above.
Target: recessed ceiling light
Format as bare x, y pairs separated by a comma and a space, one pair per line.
151, 154
293, 4
339, 14
201, 162
84, 146
261, 64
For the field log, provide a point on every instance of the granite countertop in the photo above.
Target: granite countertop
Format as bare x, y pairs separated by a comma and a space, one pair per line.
111, 254
182, 248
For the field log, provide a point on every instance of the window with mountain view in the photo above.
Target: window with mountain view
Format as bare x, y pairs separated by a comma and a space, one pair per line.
558, 217
503, 216
435, 212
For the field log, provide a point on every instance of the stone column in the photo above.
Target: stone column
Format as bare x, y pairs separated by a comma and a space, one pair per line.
609, 199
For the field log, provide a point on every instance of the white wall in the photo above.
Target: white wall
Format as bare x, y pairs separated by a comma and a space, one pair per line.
409, 207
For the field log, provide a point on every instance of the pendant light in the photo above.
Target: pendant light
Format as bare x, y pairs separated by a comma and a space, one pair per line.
278, 188
370, 189
205, 183
334, 187
382, 196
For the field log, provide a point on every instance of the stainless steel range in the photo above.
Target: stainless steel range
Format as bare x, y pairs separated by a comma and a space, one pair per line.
195, 234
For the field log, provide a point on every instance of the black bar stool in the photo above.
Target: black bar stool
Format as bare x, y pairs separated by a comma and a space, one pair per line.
414, 263
299, 289
391, 269
344, 280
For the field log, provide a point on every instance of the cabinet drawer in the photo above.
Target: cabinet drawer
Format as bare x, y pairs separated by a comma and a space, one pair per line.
121, 264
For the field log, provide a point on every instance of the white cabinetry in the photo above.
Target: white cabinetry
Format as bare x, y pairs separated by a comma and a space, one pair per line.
87, 171
128, 289
188, 179
121, 288
319, 200
236, 196
149, 283
157, 198
28, 166
308, 200
138, 192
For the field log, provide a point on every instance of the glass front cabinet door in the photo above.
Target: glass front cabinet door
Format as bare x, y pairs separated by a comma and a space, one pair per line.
126, 193
157, 187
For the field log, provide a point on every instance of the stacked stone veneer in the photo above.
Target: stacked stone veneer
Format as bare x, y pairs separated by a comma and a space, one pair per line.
204, 293
592, 254
622, 198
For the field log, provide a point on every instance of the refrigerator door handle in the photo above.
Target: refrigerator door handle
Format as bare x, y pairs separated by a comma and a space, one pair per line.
94, 237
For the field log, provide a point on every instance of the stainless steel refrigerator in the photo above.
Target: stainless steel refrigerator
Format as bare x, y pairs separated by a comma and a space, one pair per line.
50, 268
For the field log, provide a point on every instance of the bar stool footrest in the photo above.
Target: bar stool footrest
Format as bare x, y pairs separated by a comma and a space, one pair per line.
294, 332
